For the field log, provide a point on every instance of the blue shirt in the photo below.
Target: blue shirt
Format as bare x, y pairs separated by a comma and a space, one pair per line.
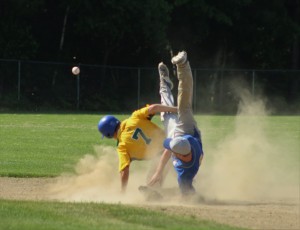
186, 171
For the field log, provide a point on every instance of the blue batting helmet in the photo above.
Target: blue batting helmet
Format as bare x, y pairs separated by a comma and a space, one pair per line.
108, 125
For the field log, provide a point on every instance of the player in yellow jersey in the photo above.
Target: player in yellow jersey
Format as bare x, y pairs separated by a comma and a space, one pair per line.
138, 137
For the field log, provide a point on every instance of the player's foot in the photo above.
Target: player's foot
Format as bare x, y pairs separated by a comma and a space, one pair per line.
180, 58
164, 74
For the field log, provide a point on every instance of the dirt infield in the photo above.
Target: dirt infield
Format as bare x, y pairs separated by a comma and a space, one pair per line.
260, 215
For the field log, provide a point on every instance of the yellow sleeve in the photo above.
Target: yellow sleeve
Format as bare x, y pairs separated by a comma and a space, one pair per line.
142, 113
124, 159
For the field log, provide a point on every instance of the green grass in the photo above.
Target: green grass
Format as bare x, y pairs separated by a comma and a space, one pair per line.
54, 215
46, 145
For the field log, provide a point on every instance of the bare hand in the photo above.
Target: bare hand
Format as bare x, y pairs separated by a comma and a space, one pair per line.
156, 178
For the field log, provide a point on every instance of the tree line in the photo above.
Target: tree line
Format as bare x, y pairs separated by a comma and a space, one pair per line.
218, 34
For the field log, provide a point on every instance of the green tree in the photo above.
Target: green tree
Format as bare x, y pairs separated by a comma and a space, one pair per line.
103, 31
235, 33
16, 23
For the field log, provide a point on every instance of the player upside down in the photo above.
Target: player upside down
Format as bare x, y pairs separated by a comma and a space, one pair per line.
185, 145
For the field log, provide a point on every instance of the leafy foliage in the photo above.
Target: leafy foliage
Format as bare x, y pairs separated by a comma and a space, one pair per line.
250, 33
247, 34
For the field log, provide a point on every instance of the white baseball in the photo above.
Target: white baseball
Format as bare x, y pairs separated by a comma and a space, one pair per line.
75, 70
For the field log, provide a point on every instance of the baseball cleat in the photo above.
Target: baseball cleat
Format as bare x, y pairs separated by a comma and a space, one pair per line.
164, 74
180, 58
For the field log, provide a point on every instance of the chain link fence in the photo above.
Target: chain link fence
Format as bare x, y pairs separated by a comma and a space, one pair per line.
47, 86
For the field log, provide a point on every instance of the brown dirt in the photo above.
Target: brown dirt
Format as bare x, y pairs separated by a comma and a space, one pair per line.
267, 215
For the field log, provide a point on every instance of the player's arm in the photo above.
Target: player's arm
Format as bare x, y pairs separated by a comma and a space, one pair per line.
158, 108
158, 175
124, 178
124, 164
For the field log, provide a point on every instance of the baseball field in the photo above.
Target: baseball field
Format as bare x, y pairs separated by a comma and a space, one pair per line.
57, 173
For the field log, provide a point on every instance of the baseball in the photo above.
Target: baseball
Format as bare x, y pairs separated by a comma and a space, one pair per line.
75, 70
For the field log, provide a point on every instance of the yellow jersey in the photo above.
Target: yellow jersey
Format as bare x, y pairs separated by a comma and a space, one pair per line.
138, 138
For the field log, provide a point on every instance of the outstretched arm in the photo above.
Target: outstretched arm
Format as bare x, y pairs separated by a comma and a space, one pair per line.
158, 108
124, 178
158, 175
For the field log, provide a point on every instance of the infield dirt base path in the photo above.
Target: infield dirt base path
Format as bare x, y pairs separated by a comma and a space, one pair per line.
250, 215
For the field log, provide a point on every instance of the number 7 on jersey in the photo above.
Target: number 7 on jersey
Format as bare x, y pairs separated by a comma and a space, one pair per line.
136, 135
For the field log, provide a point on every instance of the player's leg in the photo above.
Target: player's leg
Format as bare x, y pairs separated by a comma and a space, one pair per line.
186, 187
186, 123
169, 119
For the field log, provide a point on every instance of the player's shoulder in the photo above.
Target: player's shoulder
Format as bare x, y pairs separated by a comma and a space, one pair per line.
123, 124
189, 137
141, 113
193, 140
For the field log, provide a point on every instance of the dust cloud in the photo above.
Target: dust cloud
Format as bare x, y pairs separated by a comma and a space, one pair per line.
249, 164
97, 179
